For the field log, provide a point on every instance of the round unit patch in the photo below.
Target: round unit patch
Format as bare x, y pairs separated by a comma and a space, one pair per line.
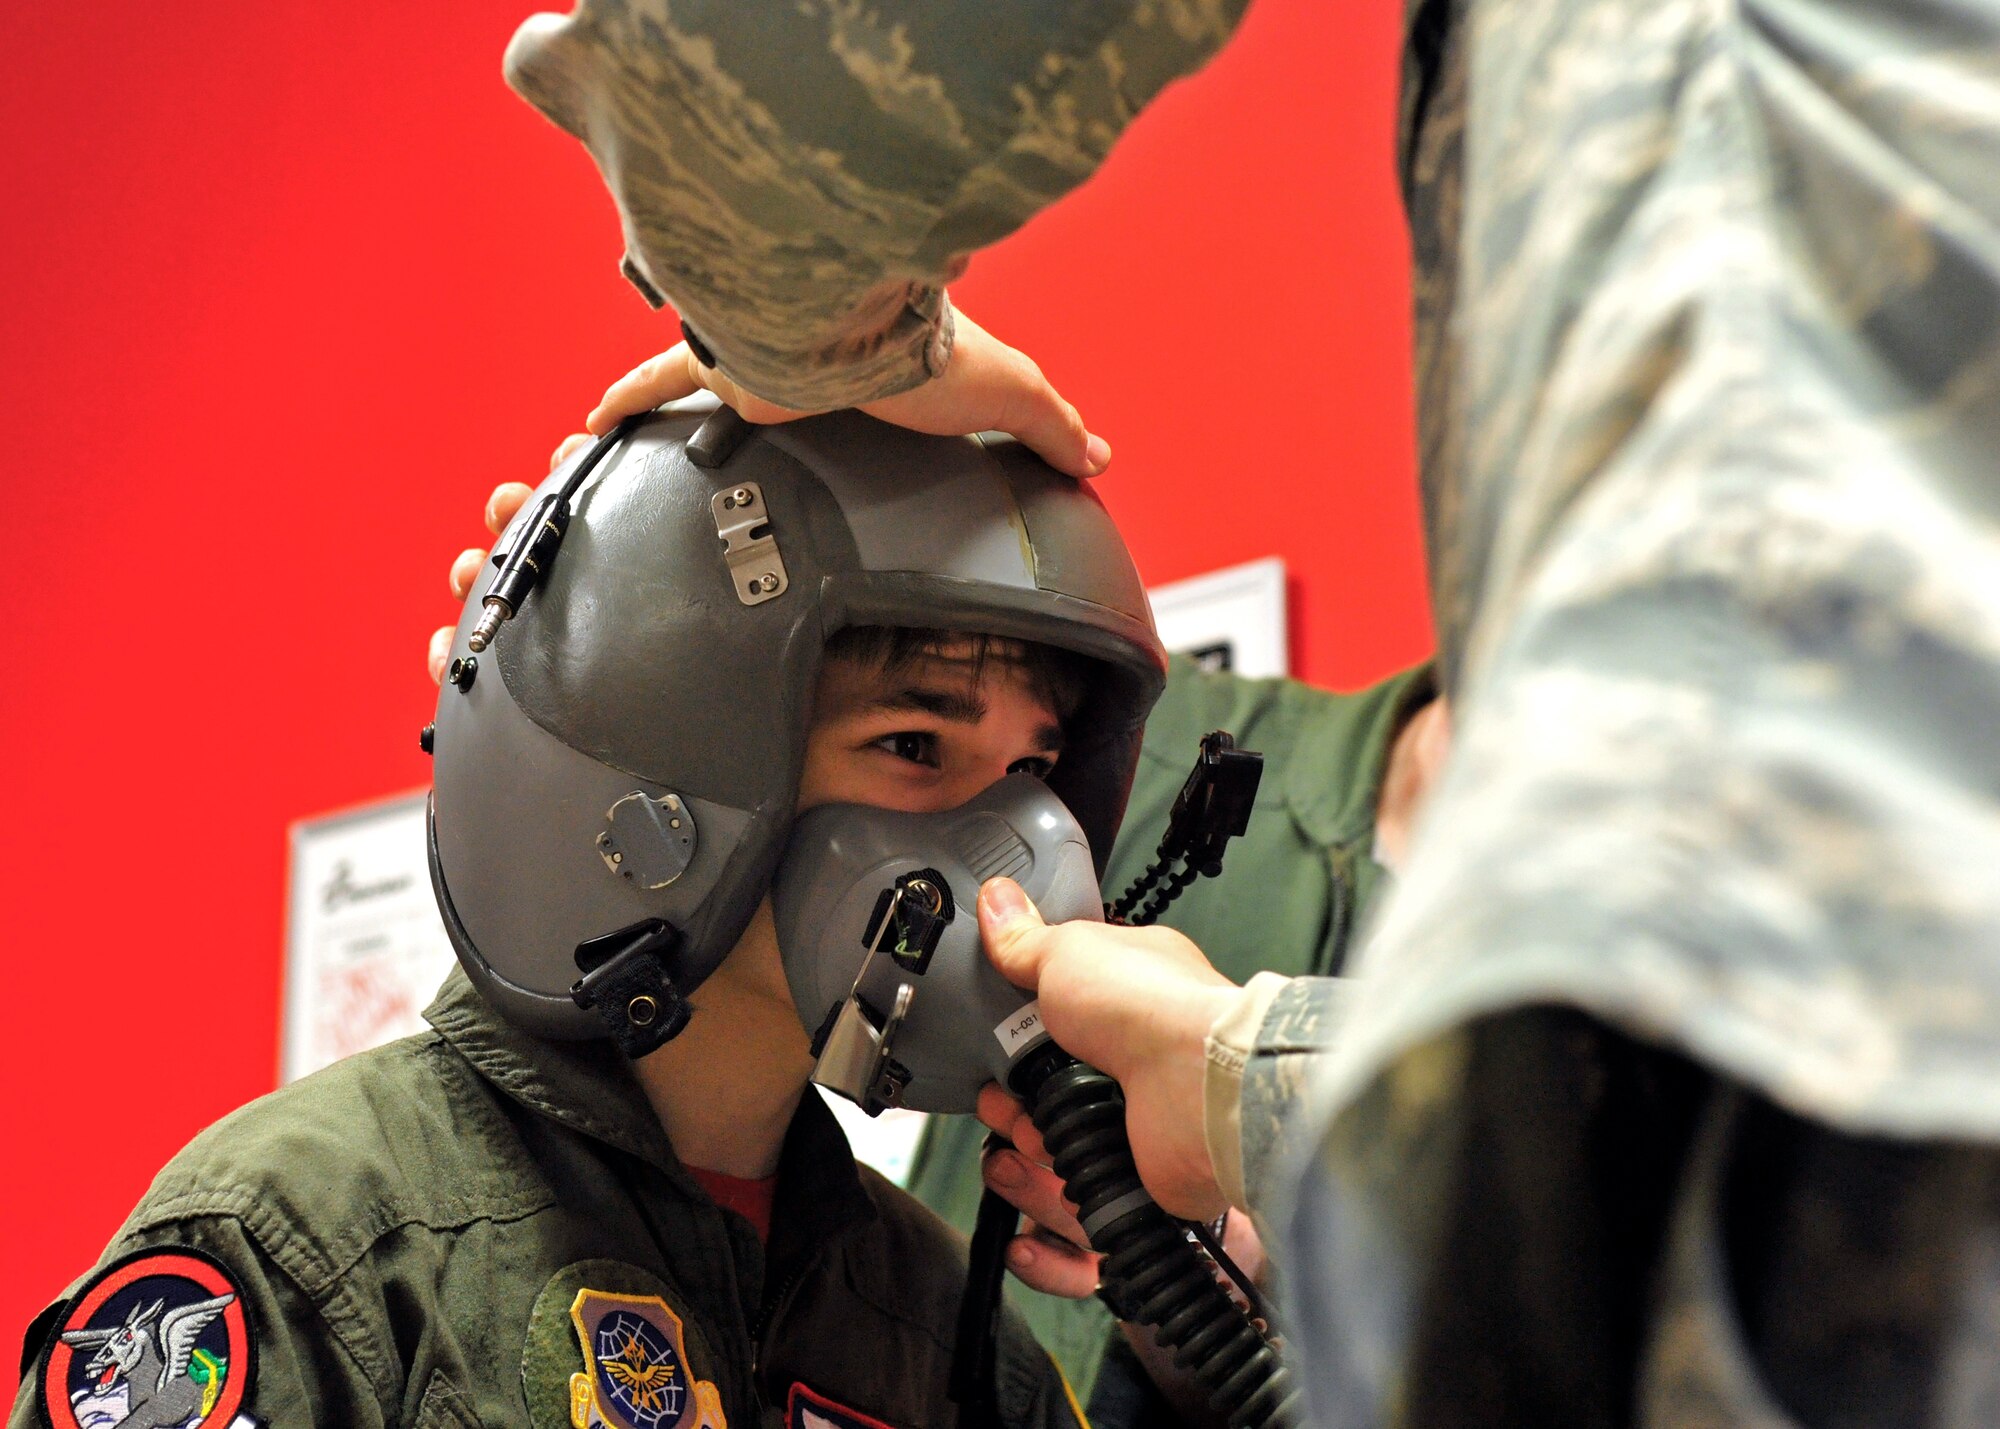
155, 1340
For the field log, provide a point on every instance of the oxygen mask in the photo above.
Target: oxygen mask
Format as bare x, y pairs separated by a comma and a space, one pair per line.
877, 923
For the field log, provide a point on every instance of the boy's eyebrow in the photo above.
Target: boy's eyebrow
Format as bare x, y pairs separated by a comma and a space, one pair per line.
959, 707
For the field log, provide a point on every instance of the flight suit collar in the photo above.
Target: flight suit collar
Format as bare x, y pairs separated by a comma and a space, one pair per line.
1333, 782
586, 1086
589, 1087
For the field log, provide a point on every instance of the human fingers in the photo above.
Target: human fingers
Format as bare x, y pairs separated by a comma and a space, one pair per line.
1014, 932
989, 386
465, 570
1034, 1191
1136, 1003
674, 374
1053, 1266
1245, 1246
1116, 997
567, 446
1005, 1115
440, 652
666, 378
507, 498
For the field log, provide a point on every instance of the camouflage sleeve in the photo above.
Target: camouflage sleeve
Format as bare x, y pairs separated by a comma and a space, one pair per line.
801, 178
1301, 1018
1537, 1219
1724, 523
1714, 555
1845, 1241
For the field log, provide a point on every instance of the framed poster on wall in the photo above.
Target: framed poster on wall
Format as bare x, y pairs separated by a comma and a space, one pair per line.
365, 948
1232, 619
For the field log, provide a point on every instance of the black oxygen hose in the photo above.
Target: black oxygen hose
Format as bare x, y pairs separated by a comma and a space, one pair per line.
1150, 1269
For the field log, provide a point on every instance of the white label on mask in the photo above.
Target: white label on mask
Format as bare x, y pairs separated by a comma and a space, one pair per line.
1020, 1029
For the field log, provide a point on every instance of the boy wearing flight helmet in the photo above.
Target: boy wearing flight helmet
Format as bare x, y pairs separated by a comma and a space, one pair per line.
595, 1193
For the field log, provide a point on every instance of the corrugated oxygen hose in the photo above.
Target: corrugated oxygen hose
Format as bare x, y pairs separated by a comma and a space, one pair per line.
1150, 1268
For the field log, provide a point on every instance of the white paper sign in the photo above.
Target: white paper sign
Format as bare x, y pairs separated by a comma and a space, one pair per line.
1232, 619
365, 948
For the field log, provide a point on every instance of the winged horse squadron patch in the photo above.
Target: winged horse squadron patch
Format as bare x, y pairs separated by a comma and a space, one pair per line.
155, 1340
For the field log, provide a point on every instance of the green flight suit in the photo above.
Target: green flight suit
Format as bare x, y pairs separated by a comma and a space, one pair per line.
1290, 896
410, 1228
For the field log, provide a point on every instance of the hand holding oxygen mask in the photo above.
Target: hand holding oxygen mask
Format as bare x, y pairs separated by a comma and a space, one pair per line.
870, 906
909, 1012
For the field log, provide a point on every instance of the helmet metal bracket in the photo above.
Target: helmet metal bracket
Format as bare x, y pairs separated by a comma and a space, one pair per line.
650, 841
756, 566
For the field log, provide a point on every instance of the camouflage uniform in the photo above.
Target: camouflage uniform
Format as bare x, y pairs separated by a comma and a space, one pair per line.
801, 179
1709, 374
1667, 1090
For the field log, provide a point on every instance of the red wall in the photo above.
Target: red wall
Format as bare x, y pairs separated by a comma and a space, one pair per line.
289, 287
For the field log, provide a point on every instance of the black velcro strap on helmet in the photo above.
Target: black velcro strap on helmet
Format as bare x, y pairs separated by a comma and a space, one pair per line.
627, 985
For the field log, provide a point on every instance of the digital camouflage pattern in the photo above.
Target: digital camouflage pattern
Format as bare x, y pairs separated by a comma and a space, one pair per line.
1711, 383
801, 179
1707, 358
1717, 560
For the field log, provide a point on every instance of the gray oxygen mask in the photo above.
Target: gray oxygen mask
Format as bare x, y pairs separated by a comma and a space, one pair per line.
878, 924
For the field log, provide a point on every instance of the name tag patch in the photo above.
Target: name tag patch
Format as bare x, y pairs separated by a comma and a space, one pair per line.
808, 1409
1019, 1029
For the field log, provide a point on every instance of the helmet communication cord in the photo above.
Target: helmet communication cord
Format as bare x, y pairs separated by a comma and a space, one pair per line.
1157, 1270
524, 564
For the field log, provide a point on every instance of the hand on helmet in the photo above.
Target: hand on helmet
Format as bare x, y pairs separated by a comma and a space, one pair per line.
987, 387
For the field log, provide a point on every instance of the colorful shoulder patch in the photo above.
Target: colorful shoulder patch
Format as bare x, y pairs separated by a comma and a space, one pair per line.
808, 1409
156, 1340
635, 1367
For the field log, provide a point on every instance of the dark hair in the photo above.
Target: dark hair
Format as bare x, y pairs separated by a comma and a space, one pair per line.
1059, 678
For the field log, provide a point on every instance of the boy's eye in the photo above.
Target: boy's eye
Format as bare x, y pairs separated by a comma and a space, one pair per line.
1036, 765
914, 745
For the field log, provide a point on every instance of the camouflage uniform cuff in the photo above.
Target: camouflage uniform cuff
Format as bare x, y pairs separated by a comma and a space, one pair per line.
1229, 1045
1299, 1028
873, 358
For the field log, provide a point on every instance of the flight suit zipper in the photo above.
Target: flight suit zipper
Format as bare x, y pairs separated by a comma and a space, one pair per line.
766, 1313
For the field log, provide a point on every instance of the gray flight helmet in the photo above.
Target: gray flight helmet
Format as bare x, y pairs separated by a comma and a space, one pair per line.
627, 753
